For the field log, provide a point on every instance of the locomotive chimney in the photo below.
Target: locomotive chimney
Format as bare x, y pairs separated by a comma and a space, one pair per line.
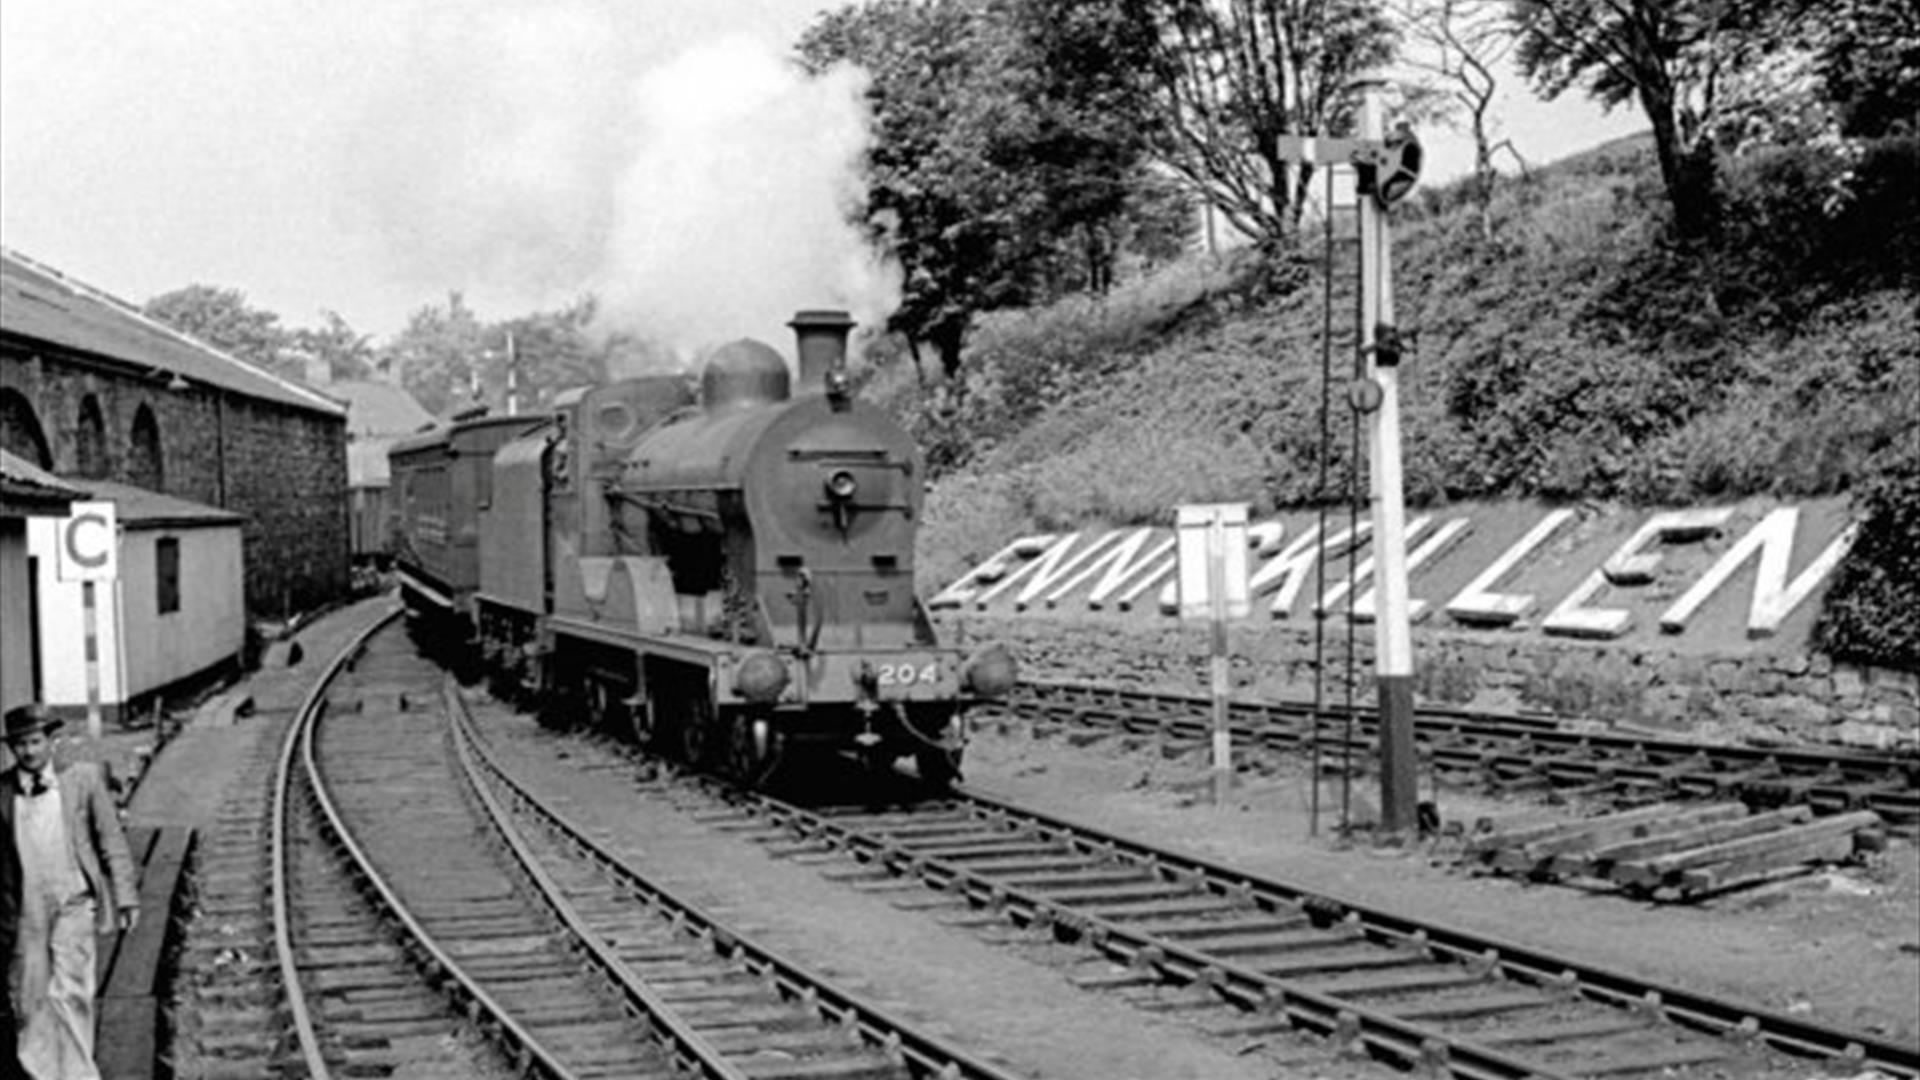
822, 340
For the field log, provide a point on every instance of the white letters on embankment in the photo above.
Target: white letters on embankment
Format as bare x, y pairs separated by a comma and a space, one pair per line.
1695, 618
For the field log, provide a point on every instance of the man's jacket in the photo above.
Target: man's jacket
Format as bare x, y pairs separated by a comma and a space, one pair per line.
93, 832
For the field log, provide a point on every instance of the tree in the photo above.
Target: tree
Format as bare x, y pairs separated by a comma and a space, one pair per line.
1235, 77
550, 351
930, 198
439, 355
1676, 58
1869, 64
1008, 148
348, 353
223, 319
1461, 44
1080, 132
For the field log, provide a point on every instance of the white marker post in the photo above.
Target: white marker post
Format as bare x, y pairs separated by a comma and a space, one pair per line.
1213, 586
89, 552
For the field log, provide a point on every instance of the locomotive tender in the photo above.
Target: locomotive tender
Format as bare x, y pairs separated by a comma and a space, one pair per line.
730, 580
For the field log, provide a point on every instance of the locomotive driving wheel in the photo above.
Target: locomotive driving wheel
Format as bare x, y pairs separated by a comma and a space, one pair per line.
603, 704
644, 717
698, 737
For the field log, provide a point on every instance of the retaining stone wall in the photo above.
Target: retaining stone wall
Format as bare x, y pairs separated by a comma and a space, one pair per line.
1770, 697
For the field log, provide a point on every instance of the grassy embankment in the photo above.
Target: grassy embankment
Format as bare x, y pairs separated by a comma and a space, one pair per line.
1575, 354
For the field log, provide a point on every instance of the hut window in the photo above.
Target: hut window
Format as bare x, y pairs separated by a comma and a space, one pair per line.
166, 561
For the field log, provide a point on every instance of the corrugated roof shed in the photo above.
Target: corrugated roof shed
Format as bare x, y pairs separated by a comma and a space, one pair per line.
44, 304
140, 508
26, 488
380, 408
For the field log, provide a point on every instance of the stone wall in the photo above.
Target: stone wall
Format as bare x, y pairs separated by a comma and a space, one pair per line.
1763, 697
283, 467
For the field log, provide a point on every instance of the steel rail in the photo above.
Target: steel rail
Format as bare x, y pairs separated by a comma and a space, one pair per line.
1610, 986
1457, 718
1402, 1040
1824, 776
1405, 1041
529, 1053
876, 1027
690, 1051
310, 708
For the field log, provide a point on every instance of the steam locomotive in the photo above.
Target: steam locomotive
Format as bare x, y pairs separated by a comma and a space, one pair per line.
729, 579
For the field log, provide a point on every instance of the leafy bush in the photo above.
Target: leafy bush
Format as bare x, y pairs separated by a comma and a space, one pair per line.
1872, 612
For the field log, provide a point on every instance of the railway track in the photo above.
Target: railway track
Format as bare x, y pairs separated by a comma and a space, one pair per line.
1510, 751
416, 886
650, 983
1278, 957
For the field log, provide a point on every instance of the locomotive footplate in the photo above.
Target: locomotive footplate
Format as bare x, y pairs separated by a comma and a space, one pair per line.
827, 678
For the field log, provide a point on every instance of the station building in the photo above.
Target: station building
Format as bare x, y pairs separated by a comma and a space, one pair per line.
91, 389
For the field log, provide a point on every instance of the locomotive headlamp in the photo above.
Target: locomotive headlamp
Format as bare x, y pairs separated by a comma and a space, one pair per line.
991, 673
839, 389
761, 678
841, 485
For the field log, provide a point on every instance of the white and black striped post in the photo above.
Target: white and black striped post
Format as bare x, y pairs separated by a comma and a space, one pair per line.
1393, 635
90, 626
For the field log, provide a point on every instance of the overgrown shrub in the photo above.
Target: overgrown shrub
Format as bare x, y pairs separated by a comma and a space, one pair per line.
1872, 611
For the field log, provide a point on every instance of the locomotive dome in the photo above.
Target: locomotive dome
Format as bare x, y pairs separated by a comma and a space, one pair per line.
744, 372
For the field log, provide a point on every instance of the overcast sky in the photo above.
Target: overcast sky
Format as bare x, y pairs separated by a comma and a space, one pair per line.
368, 156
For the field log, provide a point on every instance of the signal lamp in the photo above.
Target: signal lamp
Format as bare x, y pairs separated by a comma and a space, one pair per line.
1390, 173
991, 673
841, 485
761, 678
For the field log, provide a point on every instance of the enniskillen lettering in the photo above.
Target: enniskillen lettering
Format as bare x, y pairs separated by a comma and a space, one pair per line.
1662, 575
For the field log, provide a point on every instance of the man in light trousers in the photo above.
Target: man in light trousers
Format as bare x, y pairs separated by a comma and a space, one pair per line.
65, 875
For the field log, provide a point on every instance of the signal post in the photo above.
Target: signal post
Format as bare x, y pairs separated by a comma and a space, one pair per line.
1380, 350
1384, 171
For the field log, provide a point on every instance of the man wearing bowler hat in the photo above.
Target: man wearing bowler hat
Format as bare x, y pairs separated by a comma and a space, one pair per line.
61, 832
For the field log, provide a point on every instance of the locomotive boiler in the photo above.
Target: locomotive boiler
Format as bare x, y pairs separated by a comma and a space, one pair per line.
727, 577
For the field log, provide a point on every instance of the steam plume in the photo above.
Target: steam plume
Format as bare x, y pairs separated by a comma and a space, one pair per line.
527, 157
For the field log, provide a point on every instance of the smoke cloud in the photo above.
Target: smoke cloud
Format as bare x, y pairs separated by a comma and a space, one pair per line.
528, 157
733, 212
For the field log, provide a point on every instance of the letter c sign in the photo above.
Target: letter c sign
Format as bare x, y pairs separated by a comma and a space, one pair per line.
89, 548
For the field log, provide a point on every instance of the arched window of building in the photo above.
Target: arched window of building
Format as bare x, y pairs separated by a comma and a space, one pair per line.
145, 467
20, 432
90, 440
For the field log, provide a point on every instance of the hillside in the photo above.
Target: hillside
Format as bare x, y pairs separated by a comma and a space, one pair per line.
1574, 355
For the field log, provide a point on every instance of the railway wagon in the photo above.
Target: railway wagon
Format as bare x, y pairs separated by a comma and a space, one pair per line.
441, 481
727, 577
